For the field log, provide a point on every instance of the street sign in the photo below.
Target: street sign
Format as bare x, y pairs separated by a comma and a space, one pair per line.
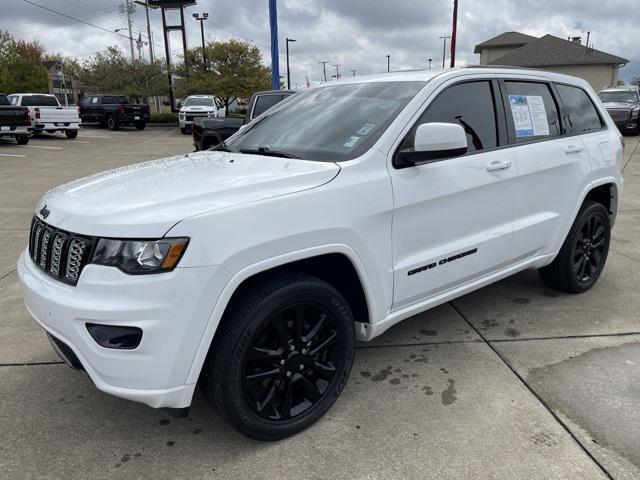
171, 3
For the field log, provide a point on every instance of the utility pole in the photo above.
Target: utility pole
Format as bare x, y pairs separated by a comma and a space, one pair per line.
444, 47
338, 71
129, 8
288, 72
201, 17
324, 69
354, 72
388, 63
454, 30
430, 60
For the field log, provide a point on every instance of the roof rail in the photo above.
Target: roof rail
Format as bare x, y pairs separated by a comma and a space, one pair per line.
509, 67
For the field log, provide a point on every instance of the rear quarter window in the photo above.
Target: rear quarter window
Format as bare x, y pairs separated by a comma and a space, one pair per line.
532, 111
581, 112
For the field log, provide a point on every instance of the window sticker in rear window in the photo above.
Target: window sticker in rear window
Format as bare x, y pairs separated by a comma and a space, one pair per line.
529, 115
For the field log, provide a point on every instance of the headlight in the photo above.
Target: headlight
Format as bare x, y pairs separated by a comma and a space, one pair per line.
140, 256
182, 115
635, 112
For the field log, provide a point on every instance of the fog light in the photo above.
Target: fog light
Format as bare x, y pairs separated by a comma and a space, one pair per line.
111, 336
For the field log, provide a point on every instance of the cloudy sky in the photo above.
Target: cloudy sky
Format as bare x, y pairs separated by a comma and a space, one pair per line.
354, 33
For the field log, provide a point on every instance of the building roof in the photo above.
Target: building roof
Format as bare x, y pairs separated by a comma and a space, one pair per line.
506, 39
549, 50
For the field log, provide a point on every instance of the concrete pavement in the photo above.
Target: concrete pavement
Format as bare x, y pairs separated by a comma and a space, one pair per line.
513, 381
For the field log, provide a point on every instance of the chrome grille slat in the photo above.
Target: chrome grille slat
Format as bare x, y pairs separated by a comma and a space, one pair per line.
58, 253
618, 114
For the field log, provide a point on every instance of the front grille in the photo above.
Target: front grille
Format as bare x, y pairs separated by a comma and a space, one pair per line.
619, 114
191, 116
65, 353
58, 253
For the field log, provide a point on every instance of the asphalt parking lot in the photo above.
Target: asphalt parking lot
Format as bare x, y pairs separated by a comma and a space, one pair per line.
511, 382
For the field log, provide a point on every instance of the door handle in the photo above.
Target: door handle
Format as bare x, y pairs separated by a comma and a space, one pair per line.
498, 165
573, 149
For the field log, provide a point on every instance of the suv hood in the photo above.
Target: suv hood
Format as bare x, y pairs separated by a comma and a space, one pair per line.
211, 108
147, 199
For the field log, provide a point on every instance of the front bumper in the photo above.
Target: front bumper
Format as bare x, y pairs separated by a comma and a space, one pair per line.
628, 125
172, 309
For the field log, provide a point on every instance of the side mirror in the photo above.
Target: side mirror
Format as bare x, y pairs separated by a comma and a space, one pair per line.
179, 105
435, 141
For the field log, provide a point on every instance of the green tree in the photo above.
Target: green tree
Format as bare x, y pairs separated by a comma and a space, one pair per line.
111, 72
21, 68
635, 81
234, 69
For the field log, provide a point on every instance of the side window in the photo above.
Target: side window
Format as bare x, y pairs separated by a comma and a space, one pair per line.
470, 105
583, 116
533, 111
94, 100
14, 100
264, 103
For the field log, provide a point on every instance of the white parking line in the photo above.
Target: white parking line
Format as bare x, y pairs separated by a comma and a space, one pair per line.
76, 141
40, 146
10, 155
94, 136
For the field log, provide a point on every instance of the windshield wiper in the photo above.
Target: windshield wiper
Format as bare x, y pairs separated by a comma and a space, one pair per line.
266, 151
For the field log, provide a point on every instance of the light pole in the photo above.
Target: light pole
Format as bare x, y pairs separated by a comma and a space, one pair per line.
354, 72
430, 60
201, 17
444, 47
288, 72
388, 63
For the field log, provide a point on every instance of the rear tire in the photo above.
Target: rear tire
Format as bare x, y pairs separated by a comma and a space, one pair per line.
140, 125
112, 123
281, 357
71, 134
584, 252
22, 139
183, 130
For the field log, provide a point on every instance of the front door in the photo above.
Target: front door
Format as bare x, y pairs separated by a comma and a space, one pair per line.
453, 217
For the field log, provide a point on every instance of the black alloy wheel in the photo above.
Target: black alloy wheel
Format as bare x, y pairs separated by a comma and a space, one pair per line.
282, 356
584, 252
589, 249
292, 362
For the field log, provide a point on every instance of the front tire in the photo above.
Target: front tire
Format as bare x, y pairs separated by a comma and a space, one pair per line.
282, 357
140, 125
584, 252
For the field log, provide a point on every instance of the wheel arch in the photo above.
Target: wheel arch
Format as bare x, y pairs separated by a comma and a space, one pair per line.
318, 261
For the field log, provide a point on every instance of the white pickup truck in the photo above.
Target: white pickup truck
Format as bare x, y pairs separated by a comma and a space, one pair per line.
47, 114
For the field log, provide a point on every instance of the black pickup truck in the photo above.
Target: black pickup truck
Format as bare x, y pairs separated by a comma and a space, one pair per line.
113, 111
14, 121
209, 132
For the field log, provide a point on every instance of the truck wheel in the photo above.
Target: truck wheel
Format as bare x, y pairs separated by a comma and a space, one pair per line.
183, 130
113, 123
22, 139
584, 252
71, 133
140, 125
283, 356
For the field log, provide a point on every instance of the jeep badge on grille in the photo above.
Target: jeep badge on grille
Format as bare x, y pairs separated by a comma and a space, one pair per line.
44, 211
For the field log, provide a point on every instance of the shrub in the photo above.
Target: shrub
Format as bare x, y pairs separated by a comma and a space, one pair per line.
164, 117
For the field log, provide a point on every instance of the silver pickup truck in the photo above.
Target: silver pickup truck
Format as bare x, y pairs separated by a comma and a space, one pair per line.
47, 114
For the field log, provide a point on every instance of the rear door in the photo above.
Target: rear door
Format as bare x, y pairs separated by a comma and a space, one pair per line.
550, 165
453, 217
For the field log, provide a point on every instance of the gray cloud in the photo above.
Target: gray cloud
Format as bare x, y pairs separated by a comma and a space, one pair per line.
355, 33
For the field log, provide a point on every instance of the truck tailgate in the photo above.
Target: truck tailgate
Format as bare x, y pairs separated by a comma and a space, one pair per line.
58, 115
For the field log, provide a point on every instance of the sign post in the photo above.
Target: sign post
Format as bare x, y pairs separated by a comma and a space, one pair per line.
165, 5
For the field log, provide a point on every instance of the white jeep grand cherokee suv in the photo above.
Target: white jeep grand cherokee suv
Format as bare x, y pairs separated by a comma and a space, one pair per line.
345, 209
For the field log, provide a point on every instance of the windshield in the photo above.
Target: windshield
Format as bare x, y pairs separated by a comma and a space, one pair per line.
620, 96
198, 102
331, 124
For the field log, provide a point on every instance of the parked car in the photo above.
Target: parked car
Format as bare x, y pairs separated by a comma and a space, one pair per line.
252, 269
208, 132
113, 111
623, 104
14, 121
47, 113
199, 106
